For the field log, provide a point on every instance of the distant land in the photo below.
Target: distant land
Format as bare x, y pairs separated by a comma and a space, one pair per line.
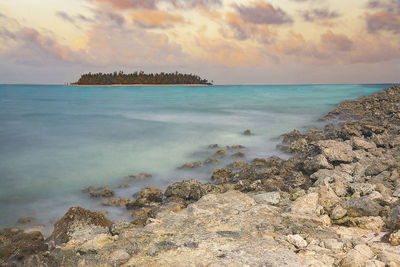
140, 78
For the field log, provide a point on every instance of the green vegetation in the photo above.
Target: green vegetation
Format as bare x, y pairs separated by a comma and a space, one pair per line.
139, 78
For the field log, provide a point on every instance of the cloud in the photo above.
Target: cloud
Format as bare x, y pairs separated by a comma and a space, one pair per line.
260, 12
319, 14
153, 4
385, 16
336, 42
156, 19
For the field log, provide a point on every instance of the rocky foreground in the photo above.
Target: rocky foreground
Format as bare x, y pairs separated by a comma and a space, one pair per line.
336, 202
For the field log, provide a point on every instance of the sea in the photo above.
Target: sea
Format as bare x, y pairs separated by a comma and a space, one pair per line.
57, 139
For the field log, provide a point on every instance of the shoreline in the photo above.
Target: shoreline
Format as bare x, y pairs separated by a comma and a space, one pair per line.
342, 183
141, 85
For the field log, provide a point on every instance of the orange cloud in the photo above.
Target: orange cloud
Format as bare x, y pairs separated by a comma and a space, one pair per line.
156, 19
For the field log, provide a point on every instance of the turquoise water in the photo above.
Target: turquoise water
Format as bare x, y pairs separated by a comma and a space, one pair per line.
55, 140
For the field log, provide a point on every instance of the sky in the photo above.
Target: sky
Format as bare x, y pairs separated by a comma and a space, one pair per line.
227, 41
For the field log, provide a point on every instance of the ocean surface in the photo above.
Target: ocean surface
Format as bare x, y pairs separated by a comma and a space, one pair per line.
56, 140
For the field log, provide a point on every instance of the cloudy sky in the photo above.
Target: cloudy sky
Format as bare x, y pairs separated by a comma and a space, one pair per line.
228, 41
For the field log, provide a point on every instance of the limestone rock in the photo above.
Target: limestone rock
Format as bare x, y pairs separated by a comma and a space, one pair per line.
362, 206
221, 176
211, 160
338, 212
361, 143
362, 188
191, 165
357, 257
316, 163
149, 196
336, 151
190, 190
272, 198
394, 238
140, 176
297, 241
307, 204
75, 218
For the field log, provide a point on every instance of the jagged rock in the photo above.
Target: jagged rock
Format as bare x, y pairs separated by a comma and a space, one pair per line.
357, 257
119, 256
272, 198
140, 176
116, 202
394, 238
273, 161
379, 165
336, 152
15, 244
299, 146
237, 164
149, 196
96, 244
374, 223
374, 263
338, 212
297, 241
362, 188
221, 176
360, 143
191, 165
362, 206
119, 227
100, 192
393, 221
333, 244
316, 163
307, 204
26, 220
327, 198
396, 193
76, 218
211, 160
190, 190
213, 146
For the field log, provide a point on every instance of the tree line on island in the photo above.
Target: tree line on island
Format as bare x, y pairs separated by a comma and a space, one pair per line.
139, 78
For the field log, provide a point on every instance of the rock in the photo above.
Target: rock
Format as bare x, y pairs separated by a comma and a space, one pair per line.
333, 244
374, 263
357, 257
221, 176
336, 152
211, 160
15, 244
100, 192
338, 212
393, 221
238, 155
190, 190
149, 196
116, 202
119, 227
213, 146
26, 220
235, 147
361, 143
362, 188
362, 206
318, 162
247, 132
220, 153
327, 198
96, 244
140, 176
191, 165
237, 164
142, 215
379, 165
299, 146
120, 256
396, 193
297, 241
307, 204
394, 238
272, 198
75, 218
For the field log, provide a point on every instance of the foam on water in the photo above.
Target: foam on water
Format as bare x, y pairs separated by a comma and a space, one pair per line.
55, 140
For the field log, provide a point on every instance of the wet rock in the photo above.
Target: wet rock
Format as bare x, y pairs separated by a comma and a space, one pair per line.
336, 152
116, 202
237, 164
26, 220
100, 192
362, 206
190, 190
76, 218
297, 241
235, 147
139, 176
191, 165
213, 146
211, 160
149, 196
270, 162
247, 132
307, 204
357, 257
299, 146
220, 153
238, 155
272, 198
15, 244
124, 185
221, 176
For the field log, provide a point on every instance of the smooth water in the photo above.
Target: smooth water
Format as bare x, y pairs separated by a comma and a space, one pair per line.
55, 140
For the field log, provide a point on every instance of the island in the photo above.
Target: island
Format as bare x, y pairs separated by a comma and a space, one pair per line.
140, 78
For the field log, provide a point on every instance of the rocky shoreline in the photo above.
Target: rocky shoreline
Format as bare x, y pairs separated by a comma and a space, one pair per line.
335, 202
